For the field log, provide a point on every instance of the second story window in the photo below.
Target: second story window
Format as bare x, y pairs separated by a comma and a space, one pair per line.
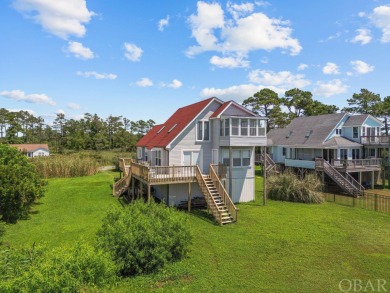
235, 123
203, 131
244, 127
355, 131
338, 131
252, 127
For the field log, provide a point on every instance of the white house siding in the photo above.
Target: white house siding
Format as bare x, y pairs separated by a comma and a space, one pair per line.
234, 111
186, 141
40, 152
243, 141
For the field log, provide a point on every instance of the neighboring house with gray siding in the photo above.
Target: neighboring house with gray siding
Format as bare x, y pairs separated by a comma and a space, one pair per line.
352, 144
208, 132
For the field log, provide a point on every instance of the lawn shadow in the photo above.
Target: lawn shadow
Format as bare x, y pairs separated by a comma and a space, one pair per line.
204, 215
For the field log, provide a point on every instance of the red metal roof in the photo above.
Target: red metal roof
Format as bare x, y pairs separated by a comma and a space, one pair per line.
221, 109
160, 138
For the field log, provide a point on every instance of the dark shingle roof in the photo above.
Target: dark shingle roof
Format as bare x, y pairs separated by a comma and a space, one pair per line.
339, 141
308, 131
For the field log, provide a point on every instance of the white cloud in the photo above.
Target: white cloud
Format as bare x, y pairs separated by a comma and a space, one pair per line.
331, 88
19, 95
330, 68
229, 62
209, 17
62, 18
174, 84
302, 66
79, 51
363, 36
239, 10
163, 23
236, 92
144, 82
73, 106
361, 67
281, 79
97, 75
132, 52
31, 112
59, 111
361, 14
240, 34
381, 19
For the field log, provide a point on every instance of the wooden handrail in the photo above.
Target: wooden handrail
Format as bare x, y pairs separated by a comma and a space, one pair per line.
212, 205
348, 179
223, 193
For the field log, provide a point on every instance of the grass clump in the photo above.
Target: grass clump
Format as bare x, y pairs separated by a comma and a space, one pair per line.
288, 187
144, 237
76, 268
65, 166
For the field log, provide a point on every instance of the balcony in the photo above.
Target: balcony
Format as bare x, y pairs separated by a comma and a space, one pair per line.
378, 140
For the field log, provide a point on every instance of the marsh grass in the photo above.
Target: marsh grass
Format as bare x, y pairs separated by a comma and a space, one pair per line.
288, 187
65, 166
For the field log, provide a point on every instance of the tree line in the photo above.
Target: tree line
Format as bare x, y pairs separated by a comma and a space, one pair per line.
296, 103
88, 133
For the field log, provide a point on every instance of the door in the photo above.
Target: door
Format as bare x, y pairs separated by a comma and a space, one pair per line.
355, 154
191, 158
214, 158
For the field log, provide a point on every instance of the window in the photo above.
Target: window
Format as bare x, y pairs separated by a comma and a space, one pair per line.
338, 131
371, 152
241, 157
158, 158
203, 131
364, 131
261, 128
343, 154
252, 127
221, 125
235, 123
236, 158
284, 151
244, 127
246, 158
355, 132
227, 127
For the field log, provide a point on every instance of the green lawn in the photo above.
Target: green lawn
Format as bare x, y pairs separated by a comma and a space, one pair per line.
282, 247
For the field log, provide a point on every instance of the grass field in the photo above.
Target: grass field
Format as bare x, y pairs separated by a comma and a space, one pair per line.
282, 247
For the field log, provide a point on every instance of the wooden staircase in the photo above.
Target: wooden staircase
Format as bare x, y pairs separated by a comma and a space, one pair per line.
271, 166
122, 185
218, 201
346, 182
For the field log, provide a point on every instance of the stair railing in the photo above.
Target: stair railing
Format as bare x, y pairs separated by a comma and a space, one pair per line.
227, 201
211, 204
348, 180
120, 186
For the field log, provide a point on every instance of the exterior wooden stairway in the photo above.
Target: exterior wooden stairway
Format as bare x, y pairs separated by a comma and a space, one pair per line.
271, 166
346, 182
122, 184
218, 201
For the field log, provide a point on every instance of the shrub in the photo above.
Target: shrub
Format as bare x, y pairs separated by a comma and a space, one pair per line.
66, 166
144, 237
64, 269
288, 187
2, 230
20, 184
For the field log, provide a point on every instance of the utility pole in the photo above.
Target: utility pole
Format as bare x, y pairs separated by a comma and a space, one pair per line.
264, 176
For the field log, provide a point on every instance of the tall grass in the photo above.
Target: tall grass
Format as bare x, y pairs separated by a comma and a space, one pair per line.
288, 187
66, 166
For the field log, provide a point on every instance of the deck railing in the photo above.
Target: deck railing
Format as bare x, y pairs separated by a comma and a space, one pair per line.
164, 174
233, 210
220, 169
357, 163
375, 140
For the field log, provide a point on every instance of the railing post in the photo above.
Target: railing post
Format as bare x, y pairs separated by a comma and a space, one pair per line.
376, 202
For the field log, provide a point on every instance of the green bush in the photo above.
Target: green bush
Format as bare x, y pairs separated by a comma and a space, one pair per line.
64, 269
288, 187
20, 184
2, 230
144, 237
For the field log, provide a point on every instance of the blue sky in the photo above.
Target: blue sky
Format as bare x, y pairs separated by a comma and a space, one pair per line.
144, 59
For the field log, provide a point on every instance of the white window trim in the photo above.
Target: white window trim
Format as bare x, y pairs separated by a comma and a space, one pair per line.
196, 130
224, 151
248, 127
